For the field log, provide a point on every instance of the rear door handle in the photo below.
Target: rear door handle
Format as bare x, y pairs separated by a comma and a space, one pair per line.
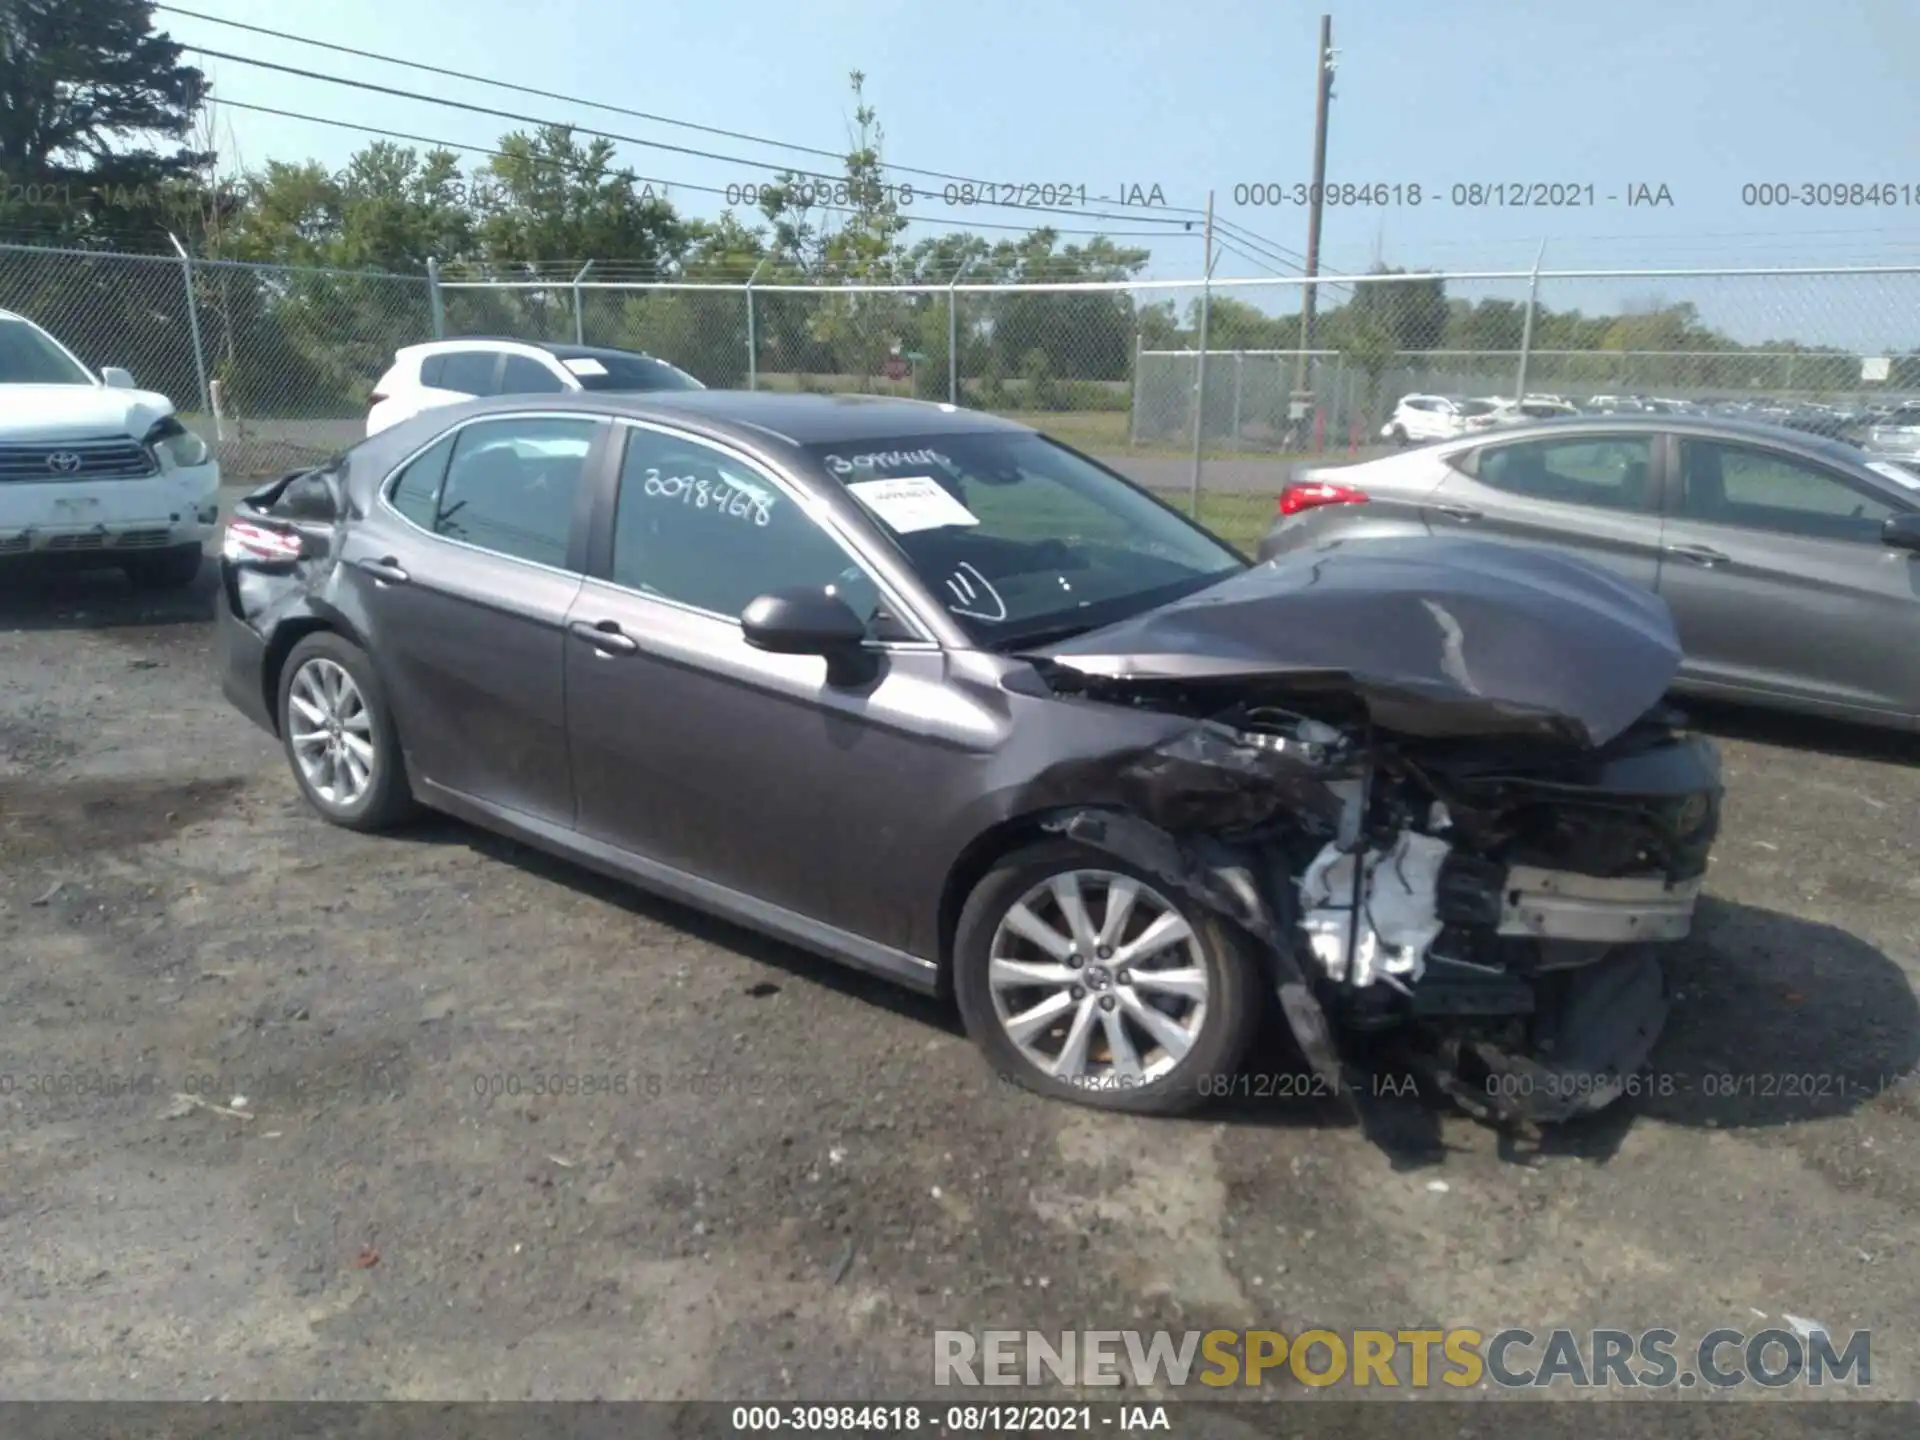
606, 637
1462, 513
1698, 554
387, 570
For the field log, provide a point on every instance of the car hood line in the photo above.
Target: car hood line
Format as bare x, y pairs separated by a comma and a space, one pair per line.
1437, 636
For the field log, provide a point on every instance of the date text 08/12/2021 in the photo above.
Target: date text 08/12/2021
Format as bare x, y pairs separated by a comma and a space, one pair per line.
1460, 194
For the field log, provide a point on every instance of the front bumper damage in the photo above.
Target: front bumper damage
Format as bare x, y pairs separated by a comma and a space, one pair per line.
1526, 992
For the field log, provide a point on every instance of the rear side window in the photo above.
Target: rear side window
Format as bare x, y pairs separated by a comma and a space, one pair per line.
469, 371
431, 370
1609, 472
416, 494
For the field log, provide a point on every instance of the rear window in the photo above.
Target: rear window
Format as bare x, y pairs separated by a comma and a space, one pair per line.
431, 369
468, 371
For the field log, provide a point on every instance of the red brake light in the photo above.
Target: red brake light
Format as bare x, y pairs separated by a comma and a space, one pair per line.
246, 541
1309, 494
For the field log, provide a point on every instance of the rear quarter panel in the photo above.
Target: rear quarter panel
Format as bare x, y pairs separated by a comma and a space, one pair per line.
1397, 488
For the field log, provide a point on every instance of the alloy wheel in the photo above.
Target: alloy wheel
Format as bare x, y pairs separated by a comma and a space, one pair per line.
1097, 978
331, 731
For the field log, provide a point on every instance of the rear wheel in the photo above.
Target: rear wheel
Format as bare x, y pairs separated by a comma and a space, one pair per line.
1085, 980
1399, 436
339, 735
173, 569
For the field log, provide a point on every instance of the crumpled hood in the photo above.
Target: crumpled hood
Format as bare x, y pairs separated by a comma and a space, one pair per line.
1440, 636
75, 412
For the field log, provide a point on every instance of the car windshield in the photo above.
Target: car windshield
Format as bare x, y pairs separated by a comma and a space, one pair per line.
28, 357
1022, 539
627, 373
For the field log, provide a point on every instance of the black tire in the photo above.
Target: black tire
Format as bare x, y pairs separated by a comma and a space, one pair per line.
173, 569
1399, 437
387, 799
1233, 1005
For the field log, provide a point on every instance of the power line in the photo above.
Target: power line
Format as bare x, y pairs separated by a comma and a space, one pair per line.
576, 100
669, 184
520, 119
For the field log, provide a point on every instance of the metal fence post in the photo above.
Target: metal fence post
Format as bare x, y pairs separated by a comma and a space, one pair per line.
1200, 376
193, 325
579, 314
436, 305
1526, 325
953, 332
753, 336
1133, 409
1239, 385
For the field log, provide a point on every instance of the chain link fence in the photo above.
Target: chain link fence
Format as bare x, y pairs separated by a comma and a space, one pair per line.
1206, 391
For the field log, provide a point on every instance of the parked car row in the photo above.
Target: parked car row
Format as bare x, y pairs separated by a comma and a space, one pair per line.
1790, 560
1888, 428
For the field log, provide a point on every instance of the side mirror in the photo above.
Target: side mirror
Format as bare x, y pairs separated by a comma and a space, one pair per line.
115, 378
1902, 531
808, 621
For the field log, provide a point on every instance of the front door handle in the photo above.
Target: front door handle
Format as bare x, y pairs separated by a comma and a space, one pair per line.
386, 569
1462, 513
1704, 555
606, 637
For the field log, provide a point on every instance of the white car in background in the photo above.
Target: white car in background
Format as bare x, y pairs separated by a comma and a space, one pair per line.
446, 372
1420, 418
1508, 411
95, 472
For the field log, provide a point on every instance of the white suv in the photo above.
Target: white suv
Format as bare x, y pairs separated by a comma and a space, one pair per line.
95, 472
1419, 418
445, 372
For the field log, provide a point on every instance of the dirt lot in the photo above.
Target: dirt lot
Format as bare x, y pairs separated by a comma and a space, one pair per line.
808, 1174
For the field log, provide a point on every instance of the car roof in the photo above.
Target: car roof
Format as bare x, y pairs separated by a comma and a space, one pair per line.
559, 350
753, 415
1707, 426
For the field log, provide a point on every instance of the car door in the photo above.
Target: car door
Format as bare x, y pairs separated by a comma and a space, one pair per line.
746, 769
1779, 583
1591, 495
462, 576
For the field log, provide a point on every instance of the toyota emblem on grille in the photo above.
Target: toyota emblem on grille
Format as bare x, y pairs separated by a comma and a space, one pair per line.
63, 462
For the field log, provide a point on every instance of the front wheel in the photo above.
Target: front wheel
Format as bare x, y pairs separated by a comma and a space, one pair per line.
1084, 980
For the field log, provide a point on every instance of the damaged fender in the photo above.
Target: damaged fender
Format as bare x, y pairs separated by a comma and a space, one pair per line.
1218, 876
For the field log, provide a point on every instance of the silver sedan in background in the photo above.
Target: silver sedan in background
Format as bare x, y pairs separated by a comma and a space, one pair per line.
1791, 562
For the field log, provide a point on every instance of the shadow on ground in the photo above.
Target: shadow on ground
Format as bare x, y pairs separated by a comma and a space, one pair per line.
40, 597
1776, 1021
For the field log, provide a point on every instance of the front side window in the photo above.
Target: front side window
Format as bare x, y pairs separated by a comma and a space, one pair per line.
469, 371
695, 526
1019, 537
1738, 485
1608, 472
508, 486
27, 357
524, 375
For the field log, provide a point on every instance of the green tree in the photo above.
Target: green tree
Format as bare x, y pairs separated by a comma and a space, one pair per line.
94, 106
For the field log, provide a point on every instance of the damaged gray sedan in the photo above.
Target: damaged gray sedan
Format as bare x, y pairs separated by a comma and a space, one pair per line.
929, 693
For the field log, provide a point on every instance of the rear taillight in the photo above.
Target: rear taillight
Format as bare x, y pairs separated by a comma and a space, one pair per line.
374, 399
1311, 494
247, 541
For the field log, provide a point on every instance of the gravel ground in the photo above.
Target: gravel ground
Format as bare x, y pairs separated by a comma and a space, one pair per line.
808, 1173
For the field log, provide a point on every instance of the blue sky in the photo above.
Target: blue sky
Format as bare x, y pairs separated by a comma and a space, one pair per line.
1701, 98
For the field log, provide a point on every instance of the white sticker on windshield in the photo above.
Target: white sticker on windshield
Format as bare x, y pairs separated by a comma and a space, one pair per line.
585, 365
1895, 472
912, 502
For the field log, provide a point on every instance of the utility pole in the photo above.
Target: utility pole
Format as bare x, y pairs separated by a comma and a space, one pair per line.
1316, 197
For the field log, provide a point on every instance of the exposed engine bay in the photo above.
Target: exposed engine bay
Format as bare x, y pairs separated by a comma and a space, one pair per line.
1496, 903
